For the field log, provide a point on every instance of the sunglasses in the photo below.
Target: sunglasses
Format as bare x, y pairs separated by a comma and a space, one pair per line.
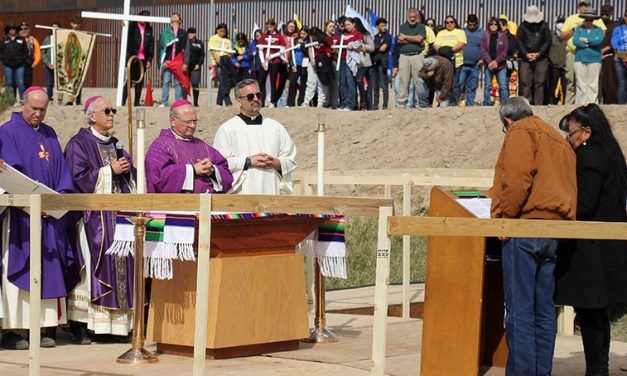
450, 22
109, 111
252, 96
23, 28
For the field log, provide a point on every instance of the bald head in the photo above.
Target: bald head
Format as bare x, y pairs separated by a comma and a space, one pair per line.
34, 107
183, 120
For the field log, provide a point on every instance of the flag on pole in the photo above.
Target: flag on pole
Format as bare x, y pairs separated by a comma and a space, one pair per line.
373, 18
255, 28
299, 25
353, 13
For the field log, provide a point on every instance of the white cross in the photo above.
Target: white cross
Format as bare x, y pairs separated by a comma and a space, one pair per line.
268, 47
126, 17
291, 49
222, 48
340, 47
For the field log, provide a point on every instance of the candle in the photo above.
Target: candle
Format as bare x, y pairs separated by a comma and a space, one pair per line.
140, 115
321, 129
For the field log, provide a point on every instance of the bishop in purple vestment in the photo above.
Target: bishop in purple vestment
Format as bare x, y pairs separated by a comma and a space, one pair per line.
99, 164
32, 147
178, 162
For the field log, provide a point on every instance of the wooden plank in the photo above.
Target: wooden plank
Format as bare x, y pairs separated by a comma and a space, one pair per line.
367, 207
379, 330
406, 252
469, 172
387, 191
202, 285
14, 200
449, 226
34, 352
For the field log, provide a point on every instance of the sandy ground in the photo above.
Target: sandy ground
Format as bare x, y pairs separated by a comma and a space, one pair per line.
410, 138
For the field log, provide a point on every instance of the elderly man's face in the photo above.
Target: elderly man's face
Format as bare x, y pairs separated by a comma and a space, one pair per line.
103, 116
184, 121
412, 17
34, 112
250, 100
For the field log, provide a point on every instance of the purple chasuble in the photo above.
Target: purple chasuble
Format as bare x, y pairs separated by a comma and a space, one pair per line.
38, 155
111, 276
166, 162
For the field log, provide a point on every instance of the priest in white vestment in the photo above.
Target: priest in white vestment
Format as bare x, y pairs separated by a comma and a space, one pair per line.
260, 152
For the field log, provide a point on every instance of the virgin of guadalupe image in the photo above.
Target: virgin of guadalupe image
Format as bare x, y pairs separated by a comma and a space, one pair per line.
72, 56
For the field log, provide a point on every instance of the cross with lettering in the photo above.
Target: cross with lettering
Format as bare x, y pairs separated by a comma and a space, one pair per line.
267, 48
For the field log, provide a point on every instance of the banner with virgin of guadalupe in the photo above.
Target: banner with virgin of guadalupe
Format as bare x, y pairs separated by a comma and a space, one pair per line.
73, 54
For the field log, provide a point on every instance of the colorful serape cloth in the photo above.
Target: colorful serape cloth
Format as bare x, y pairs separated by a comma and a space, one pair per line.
170, 236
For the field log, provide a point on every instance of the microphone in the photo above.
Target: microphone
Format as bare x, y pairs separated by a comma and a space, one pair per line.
119, 151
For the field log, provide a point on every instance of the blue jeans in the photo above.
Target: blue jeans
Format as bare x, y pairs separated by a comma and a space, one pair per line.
179, 92
14, 76
501, 79
468, 79
49, 82
528, 285
348, 89
621, 76
411, 99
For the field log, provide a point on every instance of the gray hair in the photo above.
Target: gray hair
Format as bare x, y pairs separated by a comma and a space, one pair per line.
515, 108
90, 110
242, 84
429, 64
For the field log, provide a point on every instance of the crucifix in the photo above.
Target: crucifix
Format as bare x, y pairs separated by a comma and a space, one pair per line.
341, 48
126, 17
267, 48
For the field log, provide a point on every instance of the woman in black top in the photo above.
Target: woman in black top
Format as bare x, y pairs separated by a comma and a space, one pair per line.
14, 55
591, 275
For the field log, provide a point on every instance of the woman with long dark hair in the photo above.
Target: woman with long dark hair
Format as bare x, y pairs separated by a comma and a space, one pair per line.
494, 54
591, 275
243, 57
364, 70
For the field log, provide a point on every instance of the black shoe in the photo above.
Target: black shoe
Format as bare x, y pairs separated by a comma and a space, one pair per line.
47, 342
110, 338
14, 341
79, 333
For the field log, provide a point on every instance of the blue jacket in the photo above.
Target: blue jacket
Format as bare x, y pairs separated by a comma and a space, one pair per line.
588, 52
619, 38
472, 51
247, 54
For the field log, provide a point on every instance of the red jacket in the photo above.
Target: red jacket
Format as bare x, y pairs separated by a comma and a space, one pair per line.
275, 39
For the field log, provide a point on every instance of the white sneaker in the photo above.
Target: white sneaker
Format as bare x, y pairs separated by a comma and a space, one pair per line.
345, 109
271, 105
162, 105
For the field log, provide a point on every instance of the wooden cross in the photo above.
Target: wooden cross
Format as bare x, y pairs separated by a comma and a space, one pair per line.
126, 17
341, 48
268, 48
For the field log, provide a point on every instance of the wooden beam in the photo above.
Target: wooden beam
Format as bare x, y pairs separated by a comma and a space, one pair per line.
526, 228
202, 285
34, 304
15, 200
352, 206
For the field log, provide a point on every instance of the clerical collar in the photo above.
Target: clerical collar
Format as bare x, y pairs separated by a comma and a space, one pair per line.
179, 137
258, 120
99, 136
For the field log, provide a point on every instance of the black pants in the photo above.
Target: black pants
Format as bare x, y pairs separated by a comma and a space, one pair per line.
28, 76
379, 81
532, 80
135, 72
194, 79
301, 73
595, 334
277, 81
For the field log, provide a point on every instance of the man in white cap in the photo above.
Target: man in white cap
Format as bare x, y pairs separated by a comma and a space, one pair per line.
534, 43
567, 34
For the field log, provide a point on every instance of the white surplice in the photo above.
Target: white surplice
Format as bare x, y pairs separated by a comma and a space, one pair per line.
237, 140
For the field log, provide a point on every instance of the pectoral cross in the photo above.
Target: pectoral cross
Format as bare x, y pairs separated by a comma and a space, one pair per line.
43, 153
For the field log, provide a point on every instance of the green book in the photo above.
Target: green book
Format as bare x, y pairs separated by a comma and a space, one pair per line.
468, 194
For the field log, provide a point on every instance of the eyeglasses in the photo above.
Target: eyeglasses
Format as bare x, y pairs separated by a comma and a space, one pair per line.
571, 134
250, 97
189, 122
108, 111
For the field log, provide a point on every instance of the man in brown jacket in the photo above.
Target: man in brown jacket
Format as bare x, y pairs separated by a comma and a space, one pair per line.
534, 178
438, 73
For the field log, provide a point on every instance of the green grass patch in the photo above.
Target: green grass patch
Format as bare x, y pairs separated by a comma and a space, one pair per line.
7, 99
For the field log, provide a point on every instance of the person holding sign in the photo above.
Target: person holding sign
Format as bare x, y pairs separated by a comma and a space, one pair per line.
32, 148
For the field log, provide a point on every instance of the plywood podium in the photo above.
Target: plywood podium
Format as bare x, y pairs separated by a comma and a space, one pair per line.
257, 295
463, 309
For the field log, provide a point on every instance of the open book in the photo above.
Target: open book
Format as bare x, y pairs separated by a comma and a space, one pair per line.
13, 181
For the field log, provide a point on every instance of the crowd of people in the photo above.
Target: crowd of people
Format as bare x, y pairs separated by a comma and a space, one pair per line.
349, 65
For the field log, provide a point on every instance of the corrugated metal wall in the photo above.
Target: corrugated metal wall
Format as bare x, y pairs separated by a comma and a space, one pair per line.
242, 15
